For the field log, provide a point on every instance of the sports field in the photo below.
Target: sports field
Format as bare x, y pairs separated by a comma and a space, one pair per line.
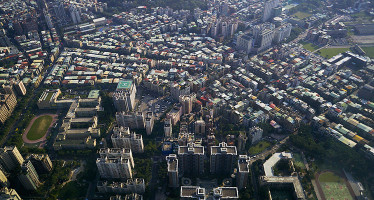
334, 187
39, 127
302, 15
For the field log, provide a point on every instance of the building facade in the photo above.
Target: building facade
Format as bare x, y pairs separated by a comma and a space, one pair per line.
191, 159
243, 171
168, 128
8, 102
133, 120
122, 138
28, 177
114, 167
172, 162
222, 158
10, 158
124, 96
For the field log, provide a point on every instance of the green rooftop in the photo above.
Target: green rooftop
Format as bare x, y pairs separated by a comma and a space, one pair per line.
94, 94
124, 84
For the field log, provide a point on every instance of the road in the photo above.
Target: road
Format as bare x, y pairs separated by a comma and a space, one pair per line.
254, 182
300, 37
153, 182
91, 187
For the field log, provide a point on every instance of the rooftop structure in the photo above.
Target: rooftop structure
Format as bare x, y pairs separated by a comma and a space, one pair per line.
192, 192
226, 193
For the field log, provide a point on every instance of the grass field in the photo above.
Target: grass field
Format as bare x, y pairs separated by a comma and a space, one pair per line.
310, 47
334, 187
298, 160
259, 147
72, 190
49, 96
39, 127
302, 15
331, 52
369, 51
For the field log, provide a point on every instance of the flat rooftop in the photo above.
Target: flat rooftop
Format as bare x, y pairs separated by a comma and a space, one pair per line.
227, 192
269, 164
191, 150
243, 167
287, 179
124, 84
223, 149
243, 163
94, 94
172, 165
192, 191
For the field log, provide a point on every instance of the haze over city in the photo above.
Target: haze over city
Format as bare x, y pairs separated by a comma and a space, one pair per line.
186, 99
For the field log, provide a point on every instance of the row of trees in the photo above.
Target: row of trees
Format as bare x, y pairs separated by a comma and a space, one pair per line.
329, 151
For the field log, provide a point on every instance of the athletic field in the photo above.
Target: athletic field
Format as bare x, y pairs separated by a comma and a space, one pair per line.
333, 186
39, 127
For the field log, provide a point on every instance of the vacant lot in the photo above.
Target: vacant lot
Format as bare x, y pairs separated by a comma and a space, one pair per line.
259, 147
39, 127
331, 52
333, 186
302, 15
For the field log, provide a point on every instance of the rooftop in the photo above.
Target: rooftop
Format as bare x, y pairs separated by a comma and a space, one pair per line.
94, 94
226, 192
191, 149
223, 149
172, 162
268, 165
124, 85
287, 179
192, 191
